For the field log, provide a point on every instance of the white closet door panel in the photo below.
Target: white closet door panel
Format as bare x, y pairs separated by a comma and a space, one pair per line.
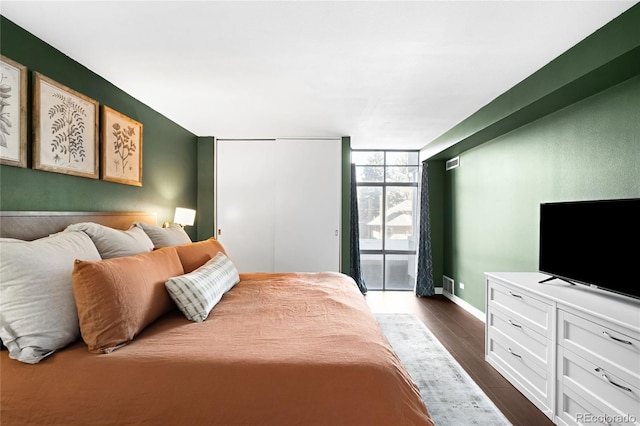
307, 205
245, 203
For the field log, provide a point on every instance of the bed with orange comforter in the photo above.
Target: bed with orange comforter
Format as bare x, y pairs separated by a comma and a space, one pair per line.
278, 349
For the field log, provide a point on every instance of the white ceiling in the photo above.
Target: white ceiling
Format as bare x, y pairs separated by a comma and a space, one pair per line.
390, 74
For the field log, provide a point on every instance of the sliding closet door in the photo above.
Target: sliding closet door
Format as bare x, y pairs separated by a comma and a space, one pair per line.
245, 204
307, 220
278, 204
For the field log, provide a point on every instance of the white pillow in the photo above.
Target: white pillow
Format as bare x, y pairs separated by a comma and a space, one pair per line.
174, 235
114, 242
37, 309
197, 292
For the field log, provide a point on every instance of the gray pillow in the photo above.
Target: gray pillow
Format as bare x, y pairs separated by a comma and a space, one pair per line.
37, 309
114, 242
174, 235
197, 292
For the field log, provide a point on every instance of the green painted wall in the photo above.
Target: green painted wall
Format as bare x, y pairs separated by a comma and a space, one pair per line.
568, 132
206, 188
588, 151
169, 163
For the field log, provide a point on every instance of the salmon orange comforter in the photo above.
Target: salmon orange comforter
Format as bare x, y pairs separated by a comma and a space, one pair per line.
279, 349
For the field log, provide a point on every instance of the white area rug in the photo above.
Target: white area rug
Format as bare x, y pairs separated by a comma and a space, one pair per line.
450, 394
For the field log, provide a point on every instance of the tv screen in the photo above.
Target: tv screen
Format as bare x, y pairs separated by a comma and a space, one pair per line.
592, 242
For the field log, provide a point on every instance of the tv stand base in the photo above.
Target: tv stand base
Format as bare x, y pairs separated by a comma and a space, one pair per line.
553, 277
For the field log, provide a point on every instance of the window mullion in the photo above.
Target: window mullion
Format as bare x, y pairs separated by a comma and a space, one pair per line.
383, 228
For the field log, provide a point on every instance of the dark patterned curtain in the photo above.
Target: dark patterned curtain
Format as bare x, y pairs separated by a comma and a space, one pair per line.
424, 281
356, 272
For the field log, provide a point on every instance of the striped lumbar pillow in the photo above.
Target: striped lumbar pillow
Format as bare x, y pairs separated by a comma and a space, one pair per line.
197, 292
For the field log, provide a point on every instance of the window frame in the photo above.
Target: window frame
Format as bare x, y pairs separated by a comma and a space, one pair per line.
384, 185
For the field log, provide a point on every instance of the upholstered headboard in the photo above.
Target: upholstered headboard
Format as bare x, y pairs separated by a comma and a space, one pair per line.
31, 225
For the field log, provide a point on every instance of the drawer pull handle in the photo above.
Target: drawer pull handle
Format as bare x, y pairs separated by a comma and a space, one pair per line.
514, 324
626, 342
514, 354
515, 295
604, 376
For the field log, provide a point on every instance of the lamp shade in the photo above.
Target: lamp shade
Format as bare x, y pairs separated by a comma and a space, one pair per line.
184, 217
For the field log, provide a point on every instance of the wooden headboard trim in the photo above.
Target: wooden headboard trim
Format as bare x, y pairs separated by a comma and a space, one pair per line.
31, 225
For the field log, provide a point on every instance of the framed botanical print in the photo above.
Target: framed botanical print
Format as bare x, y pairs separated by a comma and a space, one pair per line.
65, 129
13, 113
121, 148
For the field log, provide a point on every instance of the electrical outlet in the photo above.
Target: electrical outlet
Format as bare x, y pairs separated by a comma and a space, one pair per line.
461, 286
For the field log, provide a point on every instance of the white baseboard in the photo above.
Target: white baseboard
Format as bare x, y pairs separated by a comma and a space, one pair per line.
462, 303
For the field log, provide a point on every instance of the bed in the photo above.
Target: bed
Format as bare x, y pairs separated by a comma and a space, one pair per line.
277, 349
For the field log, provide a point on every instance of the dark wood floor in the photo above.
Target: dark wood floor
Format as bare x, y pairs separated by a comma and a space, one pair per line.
463, 336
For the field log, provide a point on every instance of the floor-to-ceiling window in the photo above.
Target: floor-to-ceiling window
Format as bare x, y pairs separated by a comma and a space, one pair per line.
388, 213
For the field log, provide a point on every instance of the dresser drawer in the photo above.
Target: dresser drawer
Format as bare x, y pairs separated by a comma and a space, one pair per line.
606, 345
522, 370
574, 409
502, 321
600, 388
526, 308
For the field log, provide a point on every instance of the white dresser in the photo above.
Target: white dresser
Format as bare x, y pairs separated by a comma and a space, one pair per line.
573, 351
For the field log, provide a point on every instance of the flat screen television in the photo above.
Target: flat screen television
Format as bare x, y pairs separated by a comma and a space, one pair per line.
596, 243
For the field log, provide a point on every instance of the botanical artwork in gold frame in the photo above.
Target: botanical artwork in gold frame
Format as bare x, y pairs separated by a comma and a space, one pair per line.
121, 148
13, 113
65, 129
